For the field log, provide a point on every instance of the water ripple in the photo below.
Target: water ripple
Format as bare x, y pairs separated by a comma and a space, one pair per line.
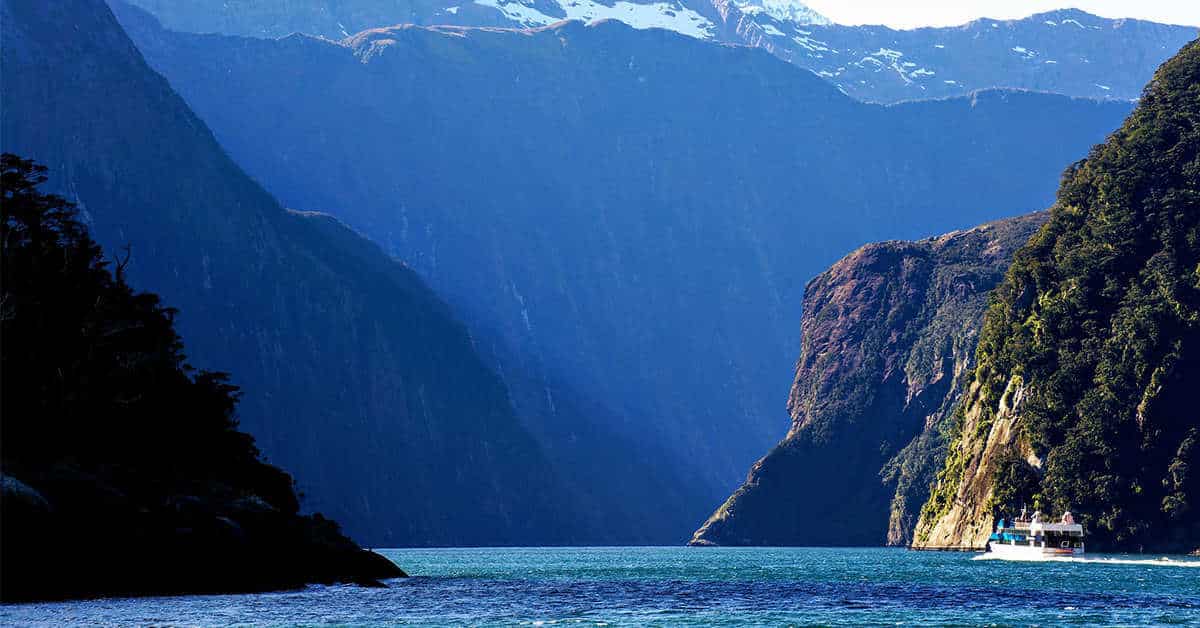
682, 586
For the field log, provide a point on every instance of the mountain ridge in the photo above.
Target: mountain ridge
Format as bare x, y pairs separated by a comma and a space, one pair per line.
1067, 51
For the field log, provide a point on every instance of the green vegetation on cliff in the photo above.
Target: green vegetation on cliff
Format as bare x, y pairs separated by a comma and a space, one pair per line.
1090, 352
123, 469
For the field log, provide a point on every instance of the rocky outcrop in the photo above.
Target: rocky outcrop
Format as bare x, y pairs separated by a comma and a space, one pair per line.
888, 334
1089, 357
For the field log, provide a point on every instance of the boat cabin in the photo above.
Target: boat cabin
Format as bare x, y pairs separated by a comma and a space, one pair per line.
1064, 536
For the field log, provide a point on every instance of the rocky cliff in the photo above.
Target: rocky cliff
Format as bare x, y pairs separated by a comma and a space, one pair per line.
887, 335
1083, 398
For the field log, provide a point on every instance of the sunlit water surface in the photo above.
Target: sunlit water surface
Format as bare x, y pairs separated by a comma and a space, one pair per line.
699, 586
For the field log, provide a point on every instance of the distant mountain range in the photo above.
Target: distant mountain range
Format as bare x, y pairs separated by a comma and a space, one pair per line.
1067, 51
624, 218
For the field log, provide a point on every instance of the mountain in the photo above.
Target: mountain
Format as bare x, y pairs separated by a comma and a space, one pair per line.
886, 337
625, 218
1067, 51
356, 377
336, 19
113, 443
1084, 394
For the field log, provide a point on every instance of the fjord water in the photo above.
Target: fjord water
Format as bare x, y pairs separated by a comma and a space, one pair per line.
693, 586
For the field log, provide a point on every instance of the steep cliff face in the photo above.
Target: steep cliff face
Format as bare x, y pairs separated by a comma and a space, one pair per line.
1088, 362
886, 336
356, 377
623, 217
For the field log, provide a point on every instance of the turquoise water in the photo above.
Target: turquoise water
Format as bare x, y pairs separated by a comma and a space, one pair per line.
694, 586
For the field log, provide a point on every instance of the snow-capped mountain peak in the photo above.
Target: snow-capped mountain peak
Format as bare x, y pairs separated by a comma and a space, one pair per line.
1066, 51
783, 10
667, 14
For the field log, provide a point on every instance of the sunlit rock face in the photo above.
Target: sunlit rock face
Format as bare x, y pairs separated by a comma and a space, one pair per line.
888, 333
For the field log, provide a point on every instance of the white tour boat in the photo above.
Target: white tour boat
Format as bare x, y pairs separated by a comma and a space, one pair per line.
1031, 538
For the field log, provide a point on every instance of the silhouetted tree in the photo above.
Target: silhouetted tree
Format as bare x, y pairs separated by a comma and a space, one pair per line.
93, 372
113, 444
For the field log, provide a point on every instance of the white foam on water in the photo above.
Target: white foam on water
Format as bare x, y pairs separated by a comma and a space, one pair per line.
1146, 562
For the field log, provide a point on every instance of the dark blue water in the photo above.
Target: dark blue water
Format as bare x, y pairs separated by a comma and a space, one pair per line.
694, 586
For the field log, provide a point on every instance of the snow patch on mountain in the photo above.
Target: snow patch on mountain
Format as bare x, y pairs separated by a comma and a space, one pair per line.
886, 58
666, 15
814, 46
770, 29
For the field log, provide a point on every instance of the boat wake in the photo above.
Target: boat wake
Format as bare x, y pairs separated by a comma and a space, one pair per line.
1101, 560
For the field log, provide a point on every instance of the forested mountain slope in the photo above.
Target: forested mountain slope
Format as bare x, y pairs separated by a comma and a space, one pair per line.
1084, 397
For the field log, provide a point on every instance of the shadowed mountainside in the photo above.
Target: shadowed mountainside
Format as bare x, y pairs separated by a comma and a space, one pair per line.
356, 377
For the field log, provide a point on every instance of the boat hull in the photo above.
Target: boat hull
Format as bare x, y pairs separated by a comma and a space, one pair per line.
1027, 552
